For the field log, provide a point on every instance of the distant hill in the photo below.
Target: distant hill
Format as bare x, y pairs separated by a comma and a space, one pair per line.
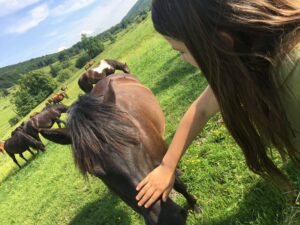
141, 5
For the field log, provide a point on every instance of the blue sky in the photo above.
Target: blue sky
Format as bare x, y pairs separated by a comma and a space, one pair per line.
32, 28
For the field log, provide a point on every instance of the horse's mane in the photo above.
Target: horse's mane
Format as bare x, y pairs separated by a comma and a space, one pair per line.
96, 127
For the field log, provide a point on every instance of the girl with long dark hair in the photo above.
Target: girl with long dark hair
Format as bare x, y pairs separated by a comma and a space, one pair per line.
249, 52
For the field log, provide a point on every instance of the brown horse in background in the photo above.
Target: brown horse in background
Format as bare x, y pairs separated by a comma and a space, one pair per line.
117, 135
104, 69
20, 142
89, 64
58, 98
45, 119
2, 148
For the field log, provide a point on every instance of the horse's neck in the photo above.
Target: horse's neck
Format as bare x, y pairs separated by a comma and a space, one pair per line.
117, 65
56, 110
103, 65
95, 76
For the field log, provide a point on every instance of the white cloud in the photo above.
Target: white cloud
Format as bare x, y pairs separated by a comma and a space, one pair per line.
70, 6
34, 18
8, 7
61, 48
101, 18
87, 32
51, 34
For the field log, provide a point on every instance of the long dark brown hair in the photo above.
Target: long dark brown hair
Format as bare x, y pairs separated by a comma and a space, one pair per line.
241, 75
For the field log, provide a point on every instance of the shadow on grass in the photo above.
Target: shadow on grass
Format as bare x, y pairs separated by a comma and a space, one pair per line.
173, 72
266, 205
104, 211
16, 169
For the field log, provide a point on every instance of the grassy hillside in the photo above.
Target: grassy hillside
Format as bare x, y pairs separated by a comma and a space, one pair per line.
6, 114
49, 189
140, 5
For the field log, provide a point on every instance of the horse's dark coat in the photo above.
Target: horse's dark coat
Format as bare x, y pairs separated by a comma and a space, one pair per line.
20, 142
116, 133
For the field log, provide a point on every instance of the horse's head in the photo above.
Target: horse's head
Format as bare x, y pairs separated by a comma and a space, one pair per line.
64, 88
33, 114
126, 68
65, 95
62, 108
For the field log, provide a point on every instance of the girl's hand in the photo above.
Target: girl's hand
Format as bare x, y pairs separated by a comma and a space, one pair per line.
159, 182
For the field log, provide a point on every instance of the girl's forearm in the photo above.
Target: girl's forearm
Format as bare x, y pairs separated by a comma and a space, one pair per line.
190, 126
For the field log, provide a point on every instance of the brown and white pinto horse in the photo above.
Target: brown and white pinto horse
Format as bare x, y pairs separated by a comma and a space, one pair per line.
117, 135
104, 69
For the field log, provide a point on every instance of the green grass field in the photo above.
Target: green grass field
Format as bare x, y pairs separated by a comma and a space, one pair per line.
49, 189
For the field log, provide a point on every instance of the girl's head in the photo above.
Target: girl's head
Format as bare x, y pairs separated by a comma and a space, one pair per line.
235, 44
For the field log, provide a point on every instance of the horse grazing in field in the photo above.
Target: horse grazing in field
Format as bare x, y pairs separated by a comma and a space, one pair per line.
58, 98
45, 119
2, 148
116, 133
20, 142
104, 69
89, 64
64, 88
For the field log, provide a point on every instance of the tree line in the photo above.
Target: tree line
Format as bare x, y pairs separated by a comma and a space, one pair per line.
35, 85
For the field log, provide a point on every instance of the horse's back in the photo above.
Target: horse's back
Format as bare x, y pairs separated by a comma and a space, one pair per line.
134, 98
15, 144
142, 109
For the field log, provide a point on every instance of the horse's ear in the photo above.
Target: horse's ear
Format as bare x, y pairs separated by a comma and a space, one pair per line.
110, 96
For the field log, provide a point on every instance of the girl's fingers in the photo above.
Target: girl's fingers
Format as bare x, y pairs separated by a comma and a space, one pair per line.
153, 198
142, 192
146, 196
142, 183
166, 195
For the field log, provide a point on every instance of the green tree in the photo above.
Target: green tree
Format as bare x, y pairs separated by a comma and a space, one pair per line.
64, 75
54, 69
82, 60
66, 64
4, 92
13, 121
92, 46
34, 87
63, 56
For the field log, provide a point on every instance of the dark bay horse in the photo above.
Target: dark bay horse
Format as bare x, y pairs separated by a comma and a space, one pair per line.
20, 142
45, 119
104, 69
117, 135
